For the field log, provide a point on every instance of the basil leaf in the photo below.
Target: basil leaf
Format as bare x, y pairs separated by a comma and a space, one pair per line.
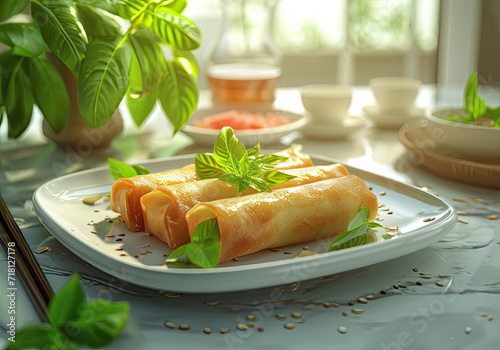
258, 184
231, 179
24, 39
372, 224
139, 104
186, 57
50, 93
360, 218
119, 169
226, 144
66, 304
492, 113
243, 185
40, 336
233, 165
178, 258
254, 151
99, 322
178, 93
206, 230
268, 161
205, 253
140, 170
274, 177
348, 239
473, 103
207, 167
9, 8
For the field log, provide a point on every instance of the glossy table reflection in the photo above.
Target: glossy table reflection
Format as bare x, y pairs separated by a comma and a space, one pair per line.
416, 317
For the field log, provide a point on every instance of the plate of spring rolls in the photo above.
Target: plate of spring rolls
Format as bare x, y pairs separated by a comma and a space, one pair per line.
262, 239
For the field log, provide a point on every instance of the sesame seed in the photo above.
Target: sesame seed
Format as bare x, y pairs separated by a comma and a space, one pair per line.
289, 325
345, 313
419, 283
459, 200
250, 324
93, 231
242, 327
110, 221
207, 330
463, 222
358, 311
109, 236
403, 286
123, 254
146, 245
483, 315
224, 330
306, 247
444, 276
170, 325
468, 330
136, 256
165, 255
390, 213
460, 212
121, 234
492, 217
490, 319
351, 303
363, 300
429, 219
236, 259
251, 317
383, 292
426, 276
439, 284
477, 200
395, 286
287, 252
415, 269
296, 315
369, 297
326, 305
280, 317
260, 329
119, 248
276, 250
184, 327
382, 193
342, 329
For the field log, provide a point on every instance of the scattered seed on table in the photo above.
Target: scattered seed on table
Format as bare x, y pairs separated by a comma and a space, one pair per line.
165, 255
369, 297
345, 313
385, 209
459, 200
363, 300
250, 324
110, 221
327, 305
184, 327
358, 311
242, 327
136, 256
170, 325
463, 222
419, 283
462, 212
211, 303
260, 329
429, 219
306, 247
251, 318
224, 330
121, 234
146, 245
477, 200
468, 330
382, 193
142, 253
427, 277
280, 317
390, 213
351, 303
289, 325
395, 286
207, 330
276, 250
118, 240
493, 217
296, 315
123, 254
415, 269
490, 319
109, 236
236, 259
439, 284
483, 315
444, 276
383, 292
119, 248
93, 231
342, 329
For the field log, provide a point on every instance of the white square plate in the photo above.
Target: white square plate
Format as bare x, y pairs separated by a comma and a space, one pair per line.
58, 204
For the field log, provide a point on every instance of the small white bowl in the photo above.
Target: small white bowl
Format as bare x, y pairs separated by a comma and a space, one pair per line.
468, 139
326, 103
395, 93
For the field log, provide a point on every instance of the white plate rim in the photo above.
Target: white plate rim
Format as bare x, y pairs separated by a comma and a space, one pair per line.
113, 265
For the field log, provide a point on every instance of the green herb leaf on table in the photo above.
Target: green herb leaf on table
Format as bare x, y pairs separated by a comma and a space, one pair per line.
74, 321
474, 104
122, 170
202, 251
233, 164
356, 232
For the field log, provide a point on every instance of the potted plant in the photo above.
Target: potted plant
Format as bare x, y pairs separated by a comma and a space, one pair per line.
109, 49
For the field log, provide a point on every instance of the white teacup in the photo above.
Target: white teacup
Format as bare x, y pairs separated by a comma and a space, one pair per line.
326, 103
395, 93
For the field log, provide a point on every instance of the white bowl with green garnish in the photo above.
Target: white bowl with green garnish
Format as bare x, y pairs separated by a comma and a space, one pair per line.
449, 129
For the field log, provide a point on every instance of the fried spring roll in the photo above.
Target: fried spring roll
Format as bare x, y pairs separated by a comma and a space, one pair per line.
287, 216
164, 209
126, 193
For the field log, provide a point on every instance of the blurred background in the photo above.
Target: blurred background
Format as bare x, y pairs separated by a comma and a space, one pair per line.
353, 41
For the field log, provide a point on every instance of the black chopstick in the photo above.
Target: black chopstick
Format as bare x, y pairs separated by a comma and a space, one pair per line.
26, 266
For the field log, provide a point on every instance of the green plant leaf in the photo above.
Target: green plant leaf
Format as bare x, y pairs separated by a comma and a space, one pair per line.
141, 170
187, 58
232, 179
120, 170
360, 218
492, 113
40, 336
178, 94
150, 58
139, 106
97, 24
128, 9
103, 80
7, 63
204, 254
9, 8
173, 28
254, 151
274, 177
24, 39
348, 239
268, 161
233, 165
110, 6
50, 93
19, 99
473, 103
60, 30
178, 257
176, 5
227, 144
207, 167
258, 184
98, 323
65, 305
